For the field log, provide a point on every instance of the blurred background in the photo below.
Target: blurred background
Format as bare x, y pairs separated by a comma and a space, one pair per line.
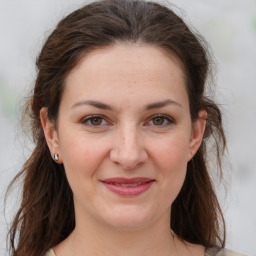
229, 27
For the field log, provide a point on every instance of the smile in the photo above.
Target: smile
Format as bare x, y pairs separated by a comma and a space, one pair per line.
128, 187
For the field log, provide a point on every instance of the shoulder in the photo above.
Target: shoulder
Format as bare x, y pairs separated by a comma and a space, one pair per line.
50, 253
221, 252
208, 252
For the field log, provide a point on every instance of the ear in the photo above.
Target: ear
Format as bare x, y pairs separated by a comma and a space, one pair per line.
50, 134
197, 133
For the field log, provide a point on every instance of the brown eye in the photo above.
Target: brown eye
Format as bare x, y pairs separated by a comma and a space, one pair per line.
159, 120
96, 121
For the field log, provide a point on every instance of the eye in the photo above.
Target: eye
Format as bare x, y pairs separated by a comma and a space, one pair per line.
94, 121
160, 120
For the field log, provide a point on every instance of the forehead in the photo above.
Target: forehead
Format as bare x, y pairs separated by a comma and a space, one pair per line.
130, 55
123, 70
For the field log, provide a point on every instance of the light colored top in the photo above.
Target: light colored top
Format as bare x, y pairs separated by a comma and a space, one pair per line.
221, 252
50, 253
209, 252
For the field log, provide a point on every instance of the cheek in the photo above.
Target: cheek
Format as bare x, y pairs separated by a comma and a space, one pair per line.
172, 151
173, 164
81, 157
171, 159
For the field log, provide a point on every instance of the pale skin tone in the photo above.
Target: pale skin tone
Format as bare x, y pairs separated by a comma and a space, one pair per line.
141, 128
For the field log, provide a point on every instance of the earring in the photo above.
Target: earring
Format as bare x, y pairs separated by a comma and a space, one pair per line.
56, 157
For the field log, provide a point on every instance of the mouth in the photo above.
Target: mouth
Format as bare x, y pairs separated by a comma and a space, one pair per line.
128, 187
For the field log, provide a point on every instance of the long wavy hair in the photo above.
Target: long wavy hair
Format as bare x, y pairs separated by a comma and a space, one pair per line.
46, 214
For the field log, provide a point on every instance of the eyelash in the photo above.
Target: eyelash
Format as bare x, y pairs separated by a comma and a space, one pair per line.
90, 118
167, 121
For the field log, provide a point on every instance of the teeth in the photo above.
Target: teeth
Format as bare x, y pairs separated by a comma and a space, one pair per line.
129, 185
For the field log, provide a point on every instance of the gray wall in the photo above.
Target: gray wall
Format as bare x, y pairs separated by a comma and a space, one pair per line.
230, 28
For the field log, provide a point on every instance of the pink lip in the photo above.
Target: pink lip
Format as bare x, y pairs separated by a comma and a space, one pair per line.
115, 185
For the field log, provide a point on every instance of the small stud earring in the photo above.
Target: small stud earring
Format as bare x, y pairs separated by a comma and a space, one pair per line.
56, 157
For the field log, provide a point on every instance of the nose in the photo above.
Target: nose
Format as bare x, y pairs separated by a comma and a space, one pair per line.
128, 149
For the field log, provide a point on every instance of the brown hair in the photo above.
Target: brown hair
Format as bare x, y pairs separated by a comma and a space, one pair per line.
46, 215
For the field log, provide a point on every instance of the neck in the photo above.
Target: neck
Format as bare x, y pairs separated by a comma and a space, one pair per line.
97, 239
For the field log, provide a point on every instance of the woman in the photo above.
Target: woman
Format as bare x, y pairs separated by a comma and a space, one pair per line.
121, 123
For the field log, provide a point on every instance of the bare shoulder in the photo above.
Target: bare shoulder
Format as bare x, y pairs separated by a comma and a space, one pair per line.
187, 249
195, 249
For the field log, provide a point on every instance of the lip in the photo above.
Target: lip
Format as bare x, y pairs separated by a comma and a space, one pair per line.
120, 186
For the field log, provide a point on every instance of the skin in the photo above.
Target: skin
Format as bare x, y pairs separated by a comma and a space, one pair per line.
125, 141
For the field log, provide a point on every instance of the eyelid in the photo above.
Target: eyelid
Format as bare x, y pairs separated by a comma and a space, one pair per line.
88, 118
84, 120
167, 117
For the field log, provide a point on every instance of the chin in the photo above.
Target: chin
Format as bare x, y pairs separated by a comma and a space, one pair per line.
128, 219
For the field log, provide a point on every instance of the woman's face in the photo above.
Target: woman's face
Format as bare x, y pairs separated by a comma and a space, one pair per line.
124, 134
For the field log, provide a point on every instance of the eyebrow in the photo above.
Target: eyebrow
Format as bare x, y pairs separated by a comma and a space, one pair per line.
104, 106
93, 103
161, 104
